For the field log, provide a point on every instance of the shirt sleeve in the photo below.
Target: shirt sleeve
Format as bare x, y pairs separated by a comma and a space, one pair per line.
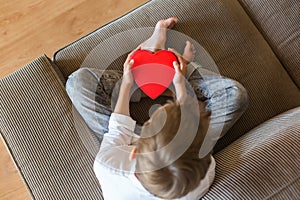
120, 131
120, 124
116, 145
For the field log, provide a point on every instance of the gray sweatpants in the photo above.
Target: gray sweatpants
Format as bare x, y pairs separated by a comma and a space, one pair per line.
94, 93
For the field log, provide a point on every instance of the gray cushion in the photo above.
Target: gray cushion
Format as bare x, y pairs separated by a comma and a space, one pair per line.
262, 164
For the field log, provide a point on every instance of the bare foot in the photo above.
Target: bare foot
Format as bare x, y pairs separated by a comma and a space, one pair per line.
189, 52
158, 39
166, 23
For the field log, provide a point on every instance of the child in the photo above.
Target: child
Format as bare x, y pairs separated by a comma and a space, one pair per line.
140, 167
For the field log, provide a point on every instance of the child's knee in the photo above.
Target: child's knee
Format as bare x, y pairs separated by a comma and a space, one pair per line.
224, 93
238, 95
81, 75
78, 79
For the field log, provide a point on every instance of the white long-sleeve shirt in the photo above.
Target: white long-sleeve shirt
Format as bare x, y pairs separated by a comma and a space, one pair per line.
115, 171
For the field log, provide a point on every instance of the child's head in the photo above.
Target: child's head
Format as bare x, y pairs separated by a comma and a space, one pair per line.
182, 175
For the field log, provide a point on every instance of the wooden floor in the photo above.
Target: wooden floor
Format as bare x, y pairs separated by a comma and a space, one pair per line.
30, 28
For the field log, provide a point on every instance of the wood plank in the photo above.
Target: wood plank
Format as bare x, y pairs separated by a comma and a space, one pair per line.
11, 185
22, 40
25, 21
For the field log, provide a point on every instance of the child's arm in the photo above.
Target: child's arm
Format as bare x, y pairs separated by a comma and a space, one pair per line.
121, 125
180, 88
179, 78
122, 105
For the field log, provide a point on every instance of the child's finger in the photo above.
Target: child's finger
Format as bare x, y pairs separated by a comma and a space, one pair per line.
182, 64
138, 48
128, 65
176, 66
174, 51
179, 57
129, 56
131, 63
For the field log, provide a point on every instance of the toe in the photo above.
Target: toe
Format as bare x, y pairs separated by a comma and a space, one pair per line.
188, 44
168, 23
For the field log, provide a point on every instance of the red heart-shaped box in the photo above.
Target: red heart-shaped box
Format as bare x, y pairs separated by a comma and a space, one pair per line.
153, 72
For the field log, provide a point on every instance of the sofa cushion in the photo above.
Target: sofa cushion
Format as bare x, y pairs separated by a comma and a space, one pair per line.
279, 23
225, 30
262, 164
45, 136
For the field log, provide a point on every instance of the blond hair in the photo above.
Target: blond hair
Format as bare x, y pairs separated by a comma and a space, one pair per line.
184, 174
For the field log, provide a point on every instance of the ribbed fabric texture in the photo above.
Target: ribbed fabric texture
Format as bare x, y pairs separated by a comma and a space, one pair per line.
262, 164
44, 135
279, 22
54, 151
225, 30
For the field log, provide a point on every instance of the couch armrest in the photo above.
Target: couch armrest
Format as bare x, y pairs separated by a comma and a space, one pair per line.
44, 138
262, 164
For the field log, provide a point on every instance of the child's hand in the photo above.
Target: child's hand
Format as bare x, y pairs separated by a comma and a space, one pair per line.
127, 74
180, 69
179, 77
